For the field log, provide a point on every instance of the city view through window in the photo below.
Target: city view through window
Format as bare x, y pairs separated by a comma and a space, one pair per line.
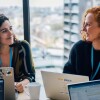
54, 27
46, 29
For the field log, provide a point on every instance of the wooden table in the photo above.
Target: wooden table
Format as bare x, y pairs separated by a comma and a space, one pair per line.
25, 96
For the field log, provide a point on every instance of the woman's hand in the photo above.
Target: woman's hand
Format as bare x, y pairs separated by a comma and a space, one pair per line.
20, 85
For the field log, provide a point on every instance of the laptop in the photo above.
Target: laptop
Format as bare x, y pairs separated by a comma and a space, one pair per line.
6, 73
85, 91
1, 89
55, 84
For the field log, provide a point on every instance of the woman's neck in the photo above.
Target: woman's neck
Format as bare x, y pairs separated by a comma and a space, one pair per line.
5, 50
96, 45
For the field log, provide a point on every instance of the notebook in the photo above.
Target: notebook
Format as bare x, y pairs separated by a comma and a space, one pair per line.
6, 73
1, 89
55, 84
85, 91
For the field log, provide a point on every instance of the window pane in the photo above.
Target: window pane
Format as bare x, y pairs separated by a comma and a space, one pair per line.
14, 11
46, 27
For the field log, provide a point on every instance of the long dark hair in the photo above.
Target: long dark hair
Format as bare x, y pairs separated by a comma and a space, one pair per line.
3, 18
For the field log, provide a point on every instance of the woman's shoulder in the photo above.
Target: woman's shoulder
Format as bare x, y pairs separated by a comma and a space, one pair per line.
24, 42
82, 44
21, 43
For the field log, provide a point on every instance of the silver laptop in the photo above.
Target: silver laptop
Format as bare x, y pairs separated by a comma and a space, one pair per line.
55, 84
85, 91
6, 73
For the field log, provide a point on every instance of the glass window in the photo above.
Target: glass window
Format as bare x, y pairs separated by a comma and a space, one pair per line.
14, 11
46, 27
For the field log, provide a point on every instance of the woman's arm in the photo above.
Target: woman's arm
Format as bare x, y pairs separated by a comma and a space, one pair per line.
28, 65
20, 85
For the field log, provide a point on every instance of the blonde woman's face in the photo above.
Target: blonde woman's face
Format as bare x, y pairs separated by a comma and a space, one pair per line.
6, 33
91, 28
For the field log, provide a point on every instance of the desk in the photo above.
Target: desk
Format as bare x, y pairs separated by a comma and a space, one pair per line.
25, 96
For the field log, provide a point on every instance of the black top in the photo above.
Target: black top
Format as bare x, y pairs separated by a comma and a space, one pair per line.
80, 60
22, 61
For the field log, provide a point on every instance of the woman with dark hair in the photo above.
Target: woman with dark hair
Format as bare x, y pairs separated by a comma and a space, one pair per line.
16, 54
84, 58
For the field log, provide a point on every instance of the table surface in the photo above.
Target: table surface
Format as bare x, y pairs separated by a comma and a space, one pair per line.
25, 96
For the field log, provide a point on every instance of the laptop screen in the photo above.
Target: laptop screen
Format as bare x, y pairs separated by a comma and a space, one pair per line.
85, 91
1, 89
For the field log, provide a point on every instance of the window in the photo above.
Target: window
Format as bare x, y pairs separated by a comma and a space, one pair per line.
14, 11
46, 28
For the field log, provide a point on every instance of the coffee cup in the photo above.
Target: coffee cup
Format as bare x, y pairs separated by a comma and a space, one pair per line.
33, 90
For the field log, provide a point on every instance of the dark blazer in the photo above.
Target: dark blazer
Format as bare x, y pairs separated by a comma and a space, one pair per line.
22, 61
80, 60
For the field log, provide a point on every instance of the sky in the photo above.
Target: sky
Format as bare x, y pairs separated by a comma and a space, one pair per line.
35, 3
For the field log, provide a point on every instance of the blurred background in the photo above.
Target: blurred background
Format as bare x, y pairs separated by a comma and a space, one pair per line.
54, 28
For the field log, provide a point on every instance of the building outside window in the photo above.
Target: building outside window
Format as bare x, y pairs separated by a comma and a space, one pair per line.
46, 28
50, 32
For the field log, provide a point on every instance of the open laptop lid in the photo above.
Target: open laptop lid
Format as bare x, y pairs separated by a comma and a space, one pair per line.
85, 91
7, 74
1, 89
55, 84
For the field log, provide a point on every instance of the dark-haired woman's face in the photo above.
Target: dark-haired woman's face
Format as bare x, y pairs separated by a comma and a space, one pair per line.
6, 33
